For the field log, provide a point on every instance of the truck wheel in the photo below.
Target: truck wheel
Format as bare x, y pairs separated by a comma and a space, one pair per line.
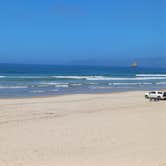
158, 98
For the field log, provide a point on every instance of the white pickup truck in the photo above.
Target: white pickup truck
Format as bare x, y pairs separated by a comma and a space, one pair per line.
155, 95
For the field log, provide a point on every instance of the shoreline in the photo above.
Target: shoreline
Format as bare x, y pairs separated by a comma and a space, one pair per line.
71, 94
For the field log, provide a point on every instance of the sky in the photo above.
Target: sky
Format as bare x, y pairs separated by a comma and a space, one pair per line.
87, 32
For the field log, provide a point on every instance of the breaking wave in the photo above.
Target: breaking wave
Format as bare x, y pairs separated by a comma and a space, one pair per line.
2, 76
92, 78
131, 83
107, 78
13, 87
151, 75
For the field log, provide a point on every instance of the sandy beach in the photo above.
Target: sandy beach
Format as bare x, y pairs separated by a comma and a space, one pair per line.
118, 129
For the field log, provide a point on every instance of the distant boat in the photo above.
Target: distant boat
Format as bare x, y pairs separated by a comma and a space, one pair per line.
134, 64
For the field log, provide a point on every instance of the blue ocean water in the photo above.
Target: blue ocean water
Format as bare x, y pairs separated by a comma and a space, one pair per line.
43, 80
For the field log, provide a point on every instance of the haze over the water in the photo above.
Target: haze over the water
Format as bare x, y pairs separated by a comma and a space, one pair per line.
108, 32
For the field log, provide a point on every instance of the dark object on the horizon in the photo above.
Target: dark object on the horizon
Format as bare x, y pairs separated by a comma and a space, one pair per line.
134, 65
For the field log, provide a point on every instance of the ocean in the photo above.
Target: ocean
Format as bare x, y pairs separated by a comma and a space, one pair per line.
44, 80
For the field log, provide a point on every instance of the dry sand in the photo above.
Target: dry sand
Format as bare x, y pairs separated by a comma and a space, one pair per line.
120, 129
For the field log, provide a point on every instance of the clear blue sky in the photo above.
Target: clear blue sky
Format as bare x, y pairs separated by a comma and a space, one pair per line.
107, 32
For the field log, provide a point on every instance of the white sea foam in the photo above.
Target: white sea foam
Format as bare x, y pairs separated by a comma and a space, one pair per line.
130, 83
151, 75
106, 78
2, 76
94, 78
56, 84
100, 87
92, 83
151, 78
123, 78
71, 77
28, 77
13, 87
75, 84
62, 86
52, 83
37, 91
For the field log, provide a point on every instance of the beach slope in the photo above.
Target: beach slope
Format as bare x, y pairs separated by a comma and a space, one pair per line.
118, 129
